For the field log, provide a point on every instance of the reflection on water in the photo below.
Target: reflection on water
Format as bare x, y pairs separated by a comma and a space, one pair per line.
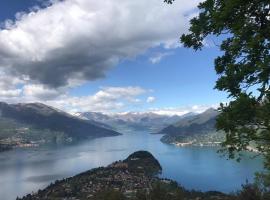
24, 171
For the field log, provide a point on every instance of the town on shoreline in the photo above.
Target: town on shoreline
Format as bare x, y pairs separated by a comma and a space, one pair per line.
135, 178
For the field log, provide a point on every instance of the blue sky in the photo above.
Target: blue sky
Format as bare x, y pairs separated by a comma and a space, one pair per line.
182, 79
11, 7
173, 79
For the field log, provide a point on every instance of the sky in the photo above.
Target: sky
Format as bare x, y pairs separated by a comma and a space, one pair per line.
105, 56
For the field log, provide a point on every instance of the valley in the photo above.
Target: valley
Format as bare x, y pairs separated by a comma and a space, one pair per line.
191, 129
34, 125
133, 121
134, 100
39, 140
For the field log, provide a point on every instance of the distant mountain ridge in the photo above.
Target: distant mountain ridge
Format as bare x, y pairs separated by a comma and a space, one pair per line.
197, 128
42, 117
193, 124
149, 121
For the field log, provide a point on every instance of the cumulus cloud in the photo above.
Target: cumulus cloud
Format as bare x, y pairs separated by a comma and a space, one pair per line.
40, 92
159, 56
10, 93
150, 99
82, 39
107, 99
8, 86
48, 50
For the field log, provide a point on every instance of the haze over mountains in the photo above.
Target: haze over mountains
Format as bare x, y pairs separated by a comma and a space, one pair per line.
134, 121
189, 129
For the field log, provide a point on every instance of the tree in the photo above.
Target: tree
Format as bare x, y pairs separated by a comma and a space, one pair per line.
243, 27
158, 192
141, 195
169, 1
109, 195
250, 192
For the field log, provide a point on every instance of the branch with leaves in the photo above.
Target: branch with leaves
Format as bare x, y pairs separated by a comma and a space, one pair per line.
243, 69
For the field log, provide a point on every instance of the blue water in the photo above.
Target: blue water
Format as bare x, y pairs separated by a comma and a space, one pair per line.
25, 170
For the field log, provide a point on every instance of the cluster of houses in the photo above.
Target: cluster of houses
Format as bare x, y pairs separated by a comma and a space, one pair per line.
119, 176
114, 177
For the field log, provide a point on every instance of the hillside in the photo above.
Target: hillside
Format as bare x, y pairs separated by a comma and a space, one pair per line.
36, 122
127, 179
133, 121
143, 162
197, 129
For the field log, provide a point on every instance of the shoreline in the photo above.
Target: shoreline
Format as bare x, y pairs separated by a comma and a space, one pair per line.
136, 174
209, 144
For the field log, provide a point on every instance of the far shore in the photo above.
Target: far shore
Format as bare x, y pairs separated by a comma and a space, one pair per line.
208, 144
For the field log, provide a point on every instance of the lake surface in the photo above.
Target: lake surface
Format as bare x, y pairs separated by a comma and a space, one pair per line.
25, 170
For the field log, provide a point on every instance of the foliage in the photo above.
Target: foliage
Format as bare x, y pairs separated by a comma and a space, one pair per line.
250, 192
143, 162
243, 68
169, 1
109, 195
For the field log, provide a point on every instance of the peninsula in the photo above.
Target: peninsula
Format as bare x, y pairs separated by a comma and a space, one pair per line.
134, 178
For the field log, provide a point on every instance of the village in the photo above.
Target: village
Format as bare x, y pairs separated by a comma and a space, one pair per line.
127, 177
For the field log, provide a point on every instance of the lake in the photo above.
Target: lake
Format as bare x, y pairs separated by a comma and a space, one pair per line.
25, 170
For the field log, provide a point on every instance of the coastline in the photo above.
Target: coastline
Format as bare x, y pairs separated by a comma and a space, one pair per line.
135, 175
208, 144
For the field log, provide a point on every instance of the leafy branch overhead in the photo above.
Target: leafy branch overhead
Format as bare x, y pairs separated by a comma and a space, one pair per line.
169, 1
243, 69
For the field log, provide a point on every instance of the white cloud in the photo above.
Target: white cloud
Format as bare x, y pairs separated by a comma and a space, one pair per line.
41, 92
158, 57
182, 110
10, 93
108, 99
47, 51
150, 99
82, 39
9, 86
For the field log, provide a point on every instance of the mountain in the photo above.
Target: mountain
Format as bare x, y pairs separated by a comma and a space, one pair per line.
131, 179
198, 128
202, 118
36, 121
143, 162
131, 121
